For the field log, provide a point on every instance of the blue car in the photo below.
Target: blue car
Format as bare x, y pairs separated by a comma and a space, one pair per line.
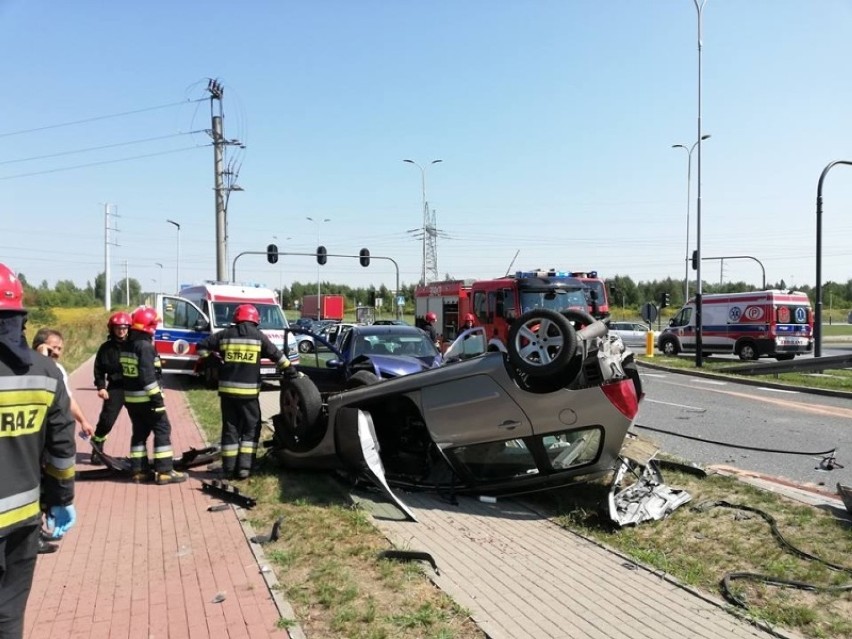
367, 354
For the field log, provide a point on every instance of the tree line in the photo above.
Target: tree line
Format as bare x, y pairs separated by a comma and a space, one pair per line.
623, 292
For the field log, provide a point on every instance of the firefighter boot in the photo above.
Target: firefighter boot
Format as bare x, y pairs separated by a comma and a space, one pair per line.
169, 477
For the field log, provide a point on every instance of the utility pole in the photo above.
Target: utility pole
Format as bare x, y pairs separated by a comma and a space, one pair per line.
221, 190
126, 285
107, 244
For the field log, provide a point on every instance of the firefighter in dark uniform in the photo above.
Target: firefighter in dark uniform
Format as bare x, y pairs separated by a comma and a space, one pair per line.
37, 453
428, 327
144, 401
108, 380
241, 347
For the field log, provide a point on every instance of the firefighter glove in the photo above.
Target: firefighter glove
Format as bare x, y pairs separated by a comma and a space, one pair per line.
291, 373
61, 519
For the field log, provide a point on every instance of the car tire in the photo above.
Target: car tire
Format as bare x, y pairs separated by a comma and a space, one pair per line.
299, 405
306, 347
669, 347
747, 351
360, 379
542, 342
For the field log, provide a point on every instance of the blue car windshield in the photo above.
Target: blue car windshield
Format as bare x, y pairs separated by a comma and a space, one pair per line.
412, 345
557, 300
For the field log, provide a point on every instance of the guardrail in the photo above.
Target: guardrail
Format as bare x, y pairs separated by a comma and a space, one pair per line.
793, 366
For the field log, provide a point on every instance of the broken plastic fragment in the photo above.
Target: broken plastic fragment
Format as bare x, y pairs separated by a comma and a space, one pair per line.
219, 598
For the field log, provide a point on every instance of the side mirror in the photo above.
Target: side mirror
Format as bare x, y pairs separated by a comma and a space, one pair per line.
201, 325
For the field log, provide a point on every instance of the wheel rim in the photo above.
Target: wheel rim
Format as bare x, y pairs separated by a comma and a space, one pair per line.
539, 341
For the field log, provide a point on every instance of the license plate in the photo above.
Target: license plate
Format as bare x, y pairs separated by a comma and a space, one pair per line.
267, 371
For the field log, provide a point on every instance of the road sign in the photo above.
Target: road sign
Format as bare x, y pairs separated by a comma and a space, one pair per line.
649, 312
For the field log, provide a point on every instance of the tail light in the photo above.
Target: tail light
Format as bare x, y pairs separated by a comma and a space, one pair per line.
622, 395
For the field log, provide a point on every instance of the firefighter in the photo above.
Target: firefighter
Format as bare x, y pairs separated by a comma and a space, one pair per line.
469, 322
143, 399
108, 380
240, 348
37, 453
428, 327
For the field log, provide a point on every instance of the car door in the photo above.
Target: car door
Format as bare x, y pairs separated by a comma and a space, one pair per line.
358, 446
182, 325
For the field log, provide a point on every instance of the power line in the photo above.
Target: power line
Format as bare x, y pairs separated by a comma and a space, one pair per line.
99, 117
99, 148
81, 166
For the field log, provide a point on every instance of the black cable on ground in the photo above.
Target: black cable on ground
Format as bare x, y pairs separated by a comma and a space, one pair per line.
729, 445
772, 581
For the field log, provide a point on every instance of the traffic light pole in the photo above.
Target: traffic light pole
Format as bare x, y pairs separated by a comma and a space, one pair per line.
360, 257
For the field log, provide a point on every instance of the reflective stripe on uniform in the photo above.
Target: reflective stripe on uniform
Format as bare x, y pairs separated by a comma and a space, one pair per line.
136, 397
230, 450
248, 448
138, 451
59, 467
24, 401
240, 350
162, 452
129, 365
19, 507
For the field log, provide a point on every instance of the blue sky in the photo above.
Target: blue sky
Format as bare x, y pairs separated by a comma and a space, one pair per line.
554, 121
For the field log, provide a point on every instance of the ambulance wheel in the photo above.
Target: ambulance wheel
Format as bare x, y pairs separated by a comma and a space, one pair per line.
669, 347
300, 405
306, 346
542, 343
748, 351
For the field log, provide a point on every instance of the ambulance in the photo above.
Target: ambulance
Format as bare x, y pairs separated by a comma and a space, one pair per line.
197, 311
777, 324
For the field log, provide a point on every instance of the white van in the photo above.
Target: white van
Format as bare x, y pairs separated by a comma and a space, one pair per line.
777, 324
198, 311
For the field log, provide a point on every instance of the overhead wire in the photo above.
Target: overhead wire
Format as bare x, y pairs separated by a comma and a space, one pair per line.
97, 118
99, 148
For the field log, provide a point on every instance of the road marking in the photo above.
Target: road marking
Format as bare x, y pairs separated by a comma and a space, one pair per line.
692, 408
830, 411
777, 390
712, 382
654, 375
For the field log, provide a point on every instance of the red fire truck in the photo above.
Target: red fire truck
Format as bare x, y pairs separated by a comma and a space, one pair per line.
499, 302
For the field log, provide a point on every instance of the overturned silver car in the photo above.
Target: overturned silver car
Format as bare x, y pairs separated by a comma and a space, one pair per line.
554, 411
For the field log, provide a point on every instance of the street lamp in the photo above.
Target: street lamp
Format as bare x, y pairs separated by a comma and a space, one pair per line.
699, 330
177, 261
689, 151
319, 298
160, 280
425, 210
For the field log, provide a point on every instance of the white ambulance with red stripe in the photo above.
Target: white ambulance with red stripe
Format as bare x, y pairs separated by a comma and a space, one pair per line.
777, 324
200, 310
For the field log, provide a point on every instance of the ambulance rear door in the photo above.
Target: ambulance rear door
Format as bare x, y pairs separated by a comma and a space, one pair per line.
182, 325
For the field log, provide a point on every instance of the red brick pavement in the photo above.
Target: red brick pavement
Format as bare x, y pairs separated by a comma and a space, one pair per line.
148, 561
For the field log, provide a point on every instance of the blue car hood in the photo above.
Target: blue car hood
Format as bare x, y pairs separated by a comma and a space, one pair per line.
398, 365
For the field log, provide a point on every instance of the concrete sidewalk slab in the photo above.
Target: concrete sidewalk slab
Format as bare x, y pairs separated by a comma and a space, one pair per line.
149, 561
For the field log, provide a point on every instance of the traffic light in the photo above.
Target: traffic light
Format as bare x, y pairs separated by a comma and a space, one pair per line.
665, 299
365, 257
695, 260
272, 254
322, 255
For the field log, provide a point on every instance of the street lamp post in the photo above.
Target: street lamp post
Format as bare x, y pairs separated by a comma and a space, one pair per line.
699, 331
177, 260
160, 279
425, 210
319, 298
689, 151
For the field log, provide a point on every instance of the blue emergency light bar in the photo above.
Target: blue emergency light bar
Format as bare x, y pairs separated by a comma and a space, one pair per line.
554, 273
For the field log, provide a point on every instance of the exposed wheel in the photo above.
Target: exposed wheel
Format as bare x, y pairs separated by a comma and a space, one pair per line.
300, 405
785, 357
306, 346
748, 351
669, 346
361, 378
542, 342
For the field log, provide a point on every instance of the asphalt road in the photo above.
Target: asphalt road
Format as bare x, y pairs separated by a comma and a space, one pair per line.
748, 416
